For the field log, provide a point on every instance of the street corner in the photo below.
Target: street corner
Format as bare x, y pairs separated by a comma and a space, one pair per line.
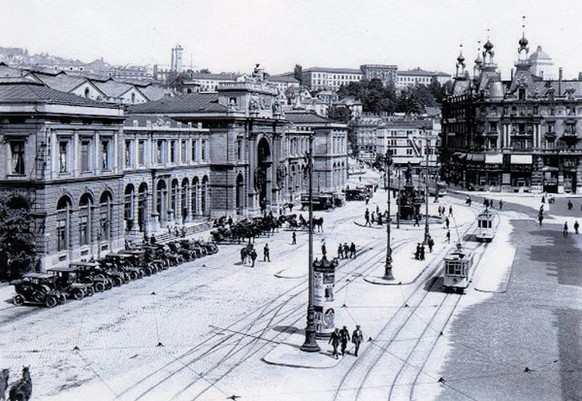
289, 354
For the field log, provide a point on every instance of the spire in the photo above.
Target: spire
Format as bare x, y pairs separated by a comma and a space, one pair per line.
523, 50
460, 63
478, 61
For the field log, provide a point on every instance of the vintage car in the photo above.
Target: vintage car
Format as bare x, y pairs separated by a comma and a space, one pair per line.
37, 288
67, 280
91, 273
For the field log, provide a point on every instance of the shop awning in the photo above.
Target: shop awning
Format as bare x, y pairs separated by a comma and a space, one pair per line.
521, 159
494, 159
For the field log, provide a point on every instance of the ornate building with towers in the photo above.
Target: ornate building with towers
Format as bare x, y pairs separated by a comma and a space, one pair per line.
522, 134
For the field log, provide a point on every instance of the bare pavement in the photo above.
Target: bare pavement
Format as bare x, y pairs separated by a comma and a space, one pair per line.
216, 329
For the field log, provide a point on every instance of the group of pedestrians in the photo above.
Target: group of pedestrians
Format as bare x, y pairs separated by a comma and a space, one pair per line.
346, 251
342, 337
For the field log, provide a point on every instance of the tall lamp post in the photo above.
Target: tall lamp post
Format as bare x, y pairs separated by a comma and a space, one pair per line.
426, 231
310, 344
388, 268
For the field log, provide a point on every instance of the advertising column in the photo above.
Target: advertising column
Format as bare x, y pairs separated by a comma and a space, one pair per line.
323, 295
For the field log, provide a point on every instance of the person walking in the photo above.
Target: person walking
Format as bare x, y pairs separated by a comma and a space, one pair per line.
421, 252
352, 250
323, 248
294, 238
540, 217
346, 250
430, 244
450, 210
357, 339
266, 253
253, 257
576, 226
334, 340
449, 236
570, 205
367, 218
340, 251
500, 204
417, 252
447, 222
344, 338
565, 229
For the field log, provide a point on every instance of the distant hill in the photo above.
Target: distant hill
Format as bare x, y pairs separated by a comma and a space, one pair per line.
17, 57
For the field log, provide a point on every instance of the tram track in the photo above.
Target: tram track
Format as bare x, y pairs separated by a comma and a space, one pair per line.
241, 342
368, 378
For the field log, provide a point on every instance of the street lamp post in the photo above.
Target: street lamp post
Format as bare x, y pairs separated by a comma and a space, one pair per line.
388, 268
310, 344
398, 202
426, 231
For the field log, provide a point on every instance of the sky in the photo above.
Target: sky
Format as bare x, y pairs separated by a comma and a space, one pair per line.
234, 35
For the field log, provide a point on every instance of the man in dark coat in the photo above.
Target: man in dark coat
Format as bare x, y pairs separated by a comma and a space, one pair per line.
334, 340
344, 338
357, 339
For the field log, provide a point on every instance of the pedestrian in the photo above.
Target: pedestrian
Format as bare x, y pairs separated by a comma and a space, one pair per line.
367, 199
448, 236
323, 248
346, 250
500, 204
430, 244
367, 218
373, 219
253, 257
447, 222
540, 217
416, 220
377, 209
417, 252
422, 252
576, 226
294, 238
334, 340
352, 250
357, 339
340, 251
344, 338
570, 205
450, 210
266, 253
565, 229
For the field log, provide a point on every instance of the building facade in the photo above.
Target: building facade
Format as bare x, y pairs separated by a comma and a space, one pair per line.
316, 78
523, 134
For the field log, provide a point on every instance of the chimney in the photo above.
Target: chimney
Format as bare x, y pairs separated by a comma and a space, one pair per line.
560, 82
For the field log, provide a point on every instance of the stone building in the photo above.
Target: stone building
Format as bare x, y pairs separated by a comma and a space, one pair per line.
60, 159
521, 134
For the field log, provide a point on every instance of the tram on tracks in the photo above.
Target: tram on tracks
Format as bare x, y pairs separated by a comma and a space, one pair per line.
486, 222
458, 269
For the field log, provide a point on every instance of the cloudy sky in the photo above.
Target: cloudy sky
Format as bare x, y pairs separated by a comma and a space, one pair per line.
233, 35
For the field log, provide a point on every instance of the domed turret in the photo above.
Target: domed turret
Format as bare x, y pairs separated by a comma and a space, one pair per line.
488, 46
523, 42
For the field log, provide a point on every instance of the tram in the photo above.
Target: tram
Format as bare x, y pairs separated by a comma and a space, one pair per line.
437, 189
458, 268
486, 222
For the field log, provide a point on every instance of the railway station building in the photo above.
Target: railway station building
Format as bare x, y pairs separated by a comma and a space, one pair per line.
522, 134
95, 174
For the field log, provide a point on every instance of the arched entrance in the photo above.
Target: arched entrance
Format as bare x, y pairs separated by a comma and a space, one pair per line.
263, 173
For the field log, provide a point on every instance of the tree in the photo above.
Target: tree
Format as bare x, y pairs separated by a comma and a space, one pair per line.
17, 241
298, 73
375, 97
339, 113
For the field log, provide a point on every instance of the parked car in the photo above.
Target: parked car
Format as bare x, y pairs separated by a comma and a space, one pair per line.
37, 288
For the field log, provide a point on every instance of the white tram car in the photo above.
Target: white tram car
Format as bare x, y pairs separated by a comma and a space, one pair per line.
458, 268
486, 222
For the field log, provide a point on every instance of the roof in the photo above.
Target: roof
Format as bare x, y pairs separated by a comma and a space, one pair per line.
61, 82
424, 124
420, 72
283, 78
155, 92
217, 77
307, 117
112, 88
33, 93
539, 54
334, 70
187, 103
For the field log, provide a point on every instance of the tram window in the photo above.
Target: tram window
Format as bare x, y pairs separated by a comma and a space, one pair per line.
454, 268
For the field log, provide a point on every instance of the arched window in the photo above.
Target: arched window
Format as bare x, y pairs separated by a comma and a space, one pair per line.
63, 223
142, 207
105, 215
128, 208
184, 195
204, 196
195, 196
85, 219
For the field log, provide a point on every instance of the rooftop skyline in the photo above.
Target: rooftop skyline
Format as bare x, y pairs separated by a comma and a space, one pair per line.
230, 35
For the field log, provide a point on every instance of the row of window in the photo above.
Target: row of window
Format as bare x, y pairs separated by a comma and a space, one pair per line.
165, 151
